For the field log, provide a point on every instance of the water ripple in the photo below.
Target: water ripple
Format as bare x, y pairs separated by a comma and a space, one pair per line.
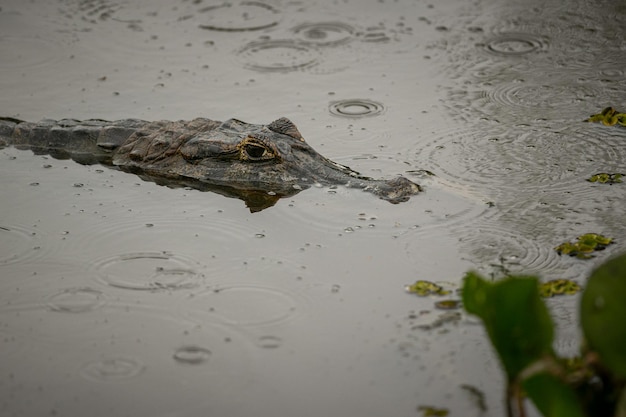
494, 249
192, 355
546, 96
325, 33
111, 369
356, 108
27, 52
280, 55
149, 271
76, 300
515, 44
239, 17
209, 235
243, 304
525, 158
19, 244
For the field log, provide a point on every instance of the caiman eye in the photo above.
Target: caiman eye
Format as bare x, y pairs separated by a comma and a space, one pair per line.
254, 151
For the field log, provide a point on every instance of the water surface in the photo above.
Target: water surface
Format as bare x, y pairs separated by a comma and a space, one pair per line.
123, 297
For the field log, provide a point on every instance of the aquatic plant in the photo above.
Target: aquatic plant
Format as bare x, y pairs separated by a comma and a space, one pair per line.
606, 178
423, 288
521, 331
584, 245
608, 117
559, 287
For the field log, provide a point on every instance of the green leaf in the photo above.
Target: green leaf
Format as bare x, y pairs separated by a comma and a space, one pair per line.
552, 397
603, 311
621, 405
515, 317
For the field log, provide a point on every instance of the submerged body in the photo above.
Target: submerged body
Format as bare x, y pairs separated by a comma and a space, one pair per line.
258, 163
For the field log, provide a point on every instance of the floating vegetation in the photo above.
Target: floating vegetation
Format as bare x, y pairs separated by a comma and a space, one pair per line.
477, 395
430, 411
449, 317
584, 246
559, 287
608, 117
605, 178
423, 288
448, 304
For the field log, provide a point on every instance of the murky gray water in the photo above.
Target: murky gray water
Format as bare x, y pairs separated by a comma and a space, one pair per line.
122, 297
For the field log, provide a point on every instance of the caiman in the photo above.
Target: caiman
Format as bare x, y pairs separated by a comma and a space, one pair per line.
257, 163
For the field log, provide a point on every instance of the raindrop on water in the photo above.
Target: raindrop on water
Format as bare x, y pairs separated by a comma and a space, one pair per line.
192, 355
355, 108
112, 369
270, 342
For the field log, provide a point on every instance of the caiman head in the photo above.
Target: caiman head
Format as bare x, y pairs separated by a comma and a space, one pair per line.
248, 160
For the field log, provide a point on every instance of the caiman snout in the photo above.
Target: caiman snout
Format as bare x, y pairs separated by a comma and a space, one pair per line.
397, 190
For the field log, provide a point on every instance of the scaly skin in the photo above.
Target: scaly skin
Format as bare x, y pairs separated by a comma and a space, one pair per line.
232, 157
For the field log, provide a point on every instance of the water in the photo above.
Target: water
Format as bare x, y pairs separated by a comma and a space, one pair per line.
120, 297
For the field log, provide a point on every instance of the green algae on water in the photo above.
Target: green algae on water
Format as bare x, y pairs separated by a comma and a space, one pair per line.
559, 287
423, 288
608, 117
606, 178
430, 411
584, 245
448, 304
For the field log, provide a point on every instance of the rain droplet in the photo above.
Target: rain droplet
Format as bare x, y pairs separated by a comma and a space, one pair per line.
355, 108
112, 369
270, 342
192, 355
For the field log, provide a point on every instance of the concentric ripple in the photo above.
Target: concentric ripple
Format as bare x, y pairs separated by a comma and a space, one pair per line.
515, 44
244, 305
239, 17
27, 52
112, 369
281, 55
548, 96
356, 108
494, 249
192, 355
325, 33
18, 244
519, 158
149, 271
76, 300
